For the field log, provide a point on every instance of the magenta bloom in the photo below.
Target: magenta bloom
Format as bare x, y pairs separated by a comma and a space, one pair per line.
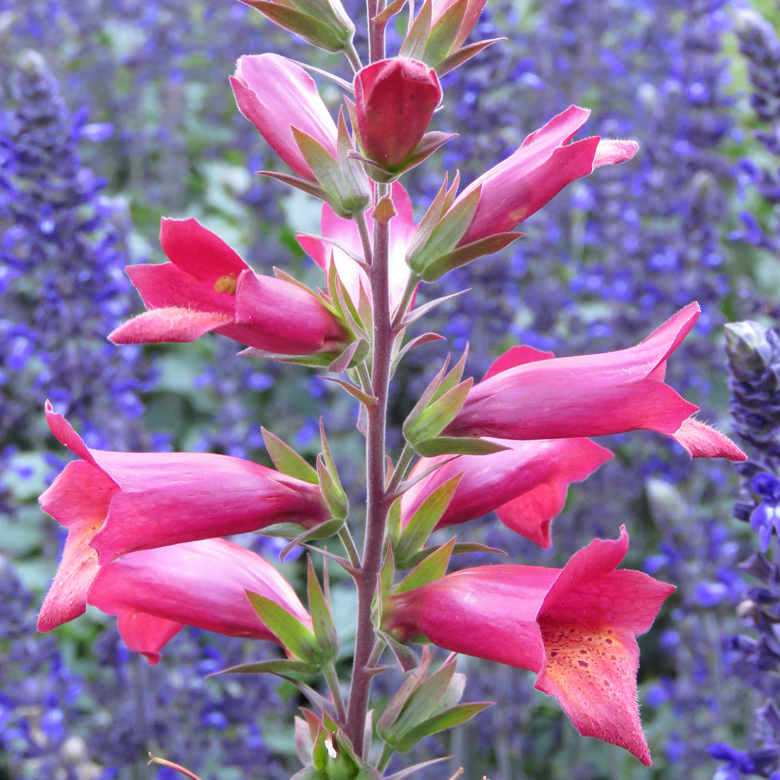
275, 95
531, 395
470, 18
114, 503
532, 176
345, 233
155, 593
208, 287
575, 627
395, 100
526, 484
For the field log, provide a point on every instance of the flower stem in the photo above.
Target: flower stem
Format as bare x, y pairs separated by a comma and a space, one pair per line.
353, 57
329, 672
365, 241
384, 758
376, 499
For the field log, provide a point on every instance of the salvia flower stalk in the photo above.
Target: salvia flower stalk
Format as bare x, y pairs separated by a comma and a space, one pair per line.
145, 530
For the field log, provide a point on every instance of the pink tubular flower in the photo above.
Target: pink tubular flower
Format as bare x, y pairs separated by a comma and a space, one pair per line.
345, 233
525, 484
114, 503
575, 627
395, 100
532, 395
470, 17
208, 287
275, 95
155, 593
532, 176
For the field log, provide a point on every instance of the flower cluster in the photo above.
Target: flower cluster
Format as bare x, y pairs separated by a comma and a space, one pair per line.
144, 530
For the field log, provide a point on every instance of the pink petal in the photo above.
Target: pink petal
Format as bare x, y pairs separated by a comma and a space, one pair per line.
592, 672
146, 634
274, 94
199, 252
701, 441
201, 584
317, 249
165, 286
65, 435
279, 316
168, 325
174, 497
516, 356
66, 599
614, 152
558, 131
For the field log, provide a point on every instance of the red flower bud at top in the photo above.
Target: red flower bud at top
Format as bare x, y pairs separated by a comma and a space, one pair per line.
531, 395
575, 627
114, 503
395, 101
155, 593
208, 287
470, 17
531, 177
275, 95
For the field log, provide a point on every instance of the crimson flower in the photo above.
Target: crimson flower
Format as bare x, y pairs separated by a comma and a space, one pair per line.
575, 627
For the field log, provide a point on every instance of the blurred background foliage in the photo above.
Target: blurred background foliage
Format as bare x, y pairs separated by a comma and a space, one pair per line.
117, 112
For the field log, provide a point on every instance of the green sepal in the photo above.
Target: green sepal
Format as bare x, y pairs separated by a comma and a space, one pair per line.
452, 445
423, 521
459, 549
283, 530
287, 460
324, 530
281, 666
387, 572
465, 254
354, 354
403, 653
324, 630
452, 379
317, 360
409, 770
425, 398
424, 699
427, 145
463, 55
353, 390
447, 233
310, 188
416, 39
439, 414
428, 222
444, 33
330, 484
308, 773
455, 716
293, 635
395, 706
313, 29
394, 521
433, 566
420, 311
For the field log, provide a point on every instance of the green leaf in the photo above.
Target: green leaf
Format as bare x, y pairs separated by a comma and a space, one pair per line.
452, 379
332, 492
428, 222
311, 28
450, 445
353, 390
387, 572
413, 46
420, 311
395, 706
287, 628
448, 719
280, 666
403, 653
425, 398
424, 699
310, 188
344, 360
465, 254
446, 235
424, 520
287, 460
404, 773
322, 531
444, 33
463, 55
324, 631
432, 567
428, 144
283, 530
439, 414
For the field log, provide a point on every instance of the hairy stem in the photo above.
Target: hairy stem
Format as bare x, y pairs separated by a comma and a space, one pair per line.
376, 500
353, 57
365, 241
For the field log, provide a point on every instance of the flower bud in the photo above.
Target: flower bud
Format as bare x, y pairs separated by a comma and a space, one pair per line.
322, 23
395, 101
